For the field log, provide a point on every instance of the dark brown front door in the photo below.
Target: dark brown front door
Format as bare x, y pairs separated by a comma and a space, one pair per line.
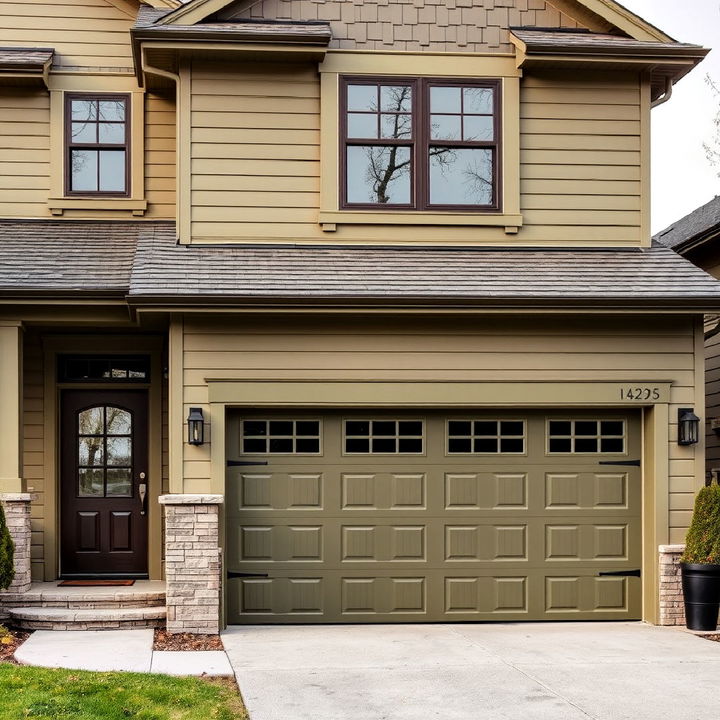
103, 441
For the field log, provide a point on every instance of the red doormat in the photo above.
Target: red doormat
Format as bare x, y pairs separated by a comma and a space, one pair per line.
96, 583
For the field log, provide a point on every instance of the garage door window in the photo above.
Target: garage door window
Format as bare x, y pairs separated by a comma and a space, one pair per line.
384, 437
485, 437
281, 437
586, 436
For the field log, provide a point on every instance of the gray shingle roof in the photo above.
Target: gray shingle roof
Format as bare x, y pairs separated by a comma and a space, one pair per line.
691, 227
24, 59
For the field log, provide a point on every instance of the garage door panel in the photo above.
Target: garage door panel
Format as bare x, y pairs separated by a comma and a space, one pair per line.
386, 538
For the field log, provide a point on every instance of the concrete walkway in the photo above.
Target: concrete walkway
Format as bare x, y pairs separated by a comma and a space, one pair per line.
127, 650
568, 671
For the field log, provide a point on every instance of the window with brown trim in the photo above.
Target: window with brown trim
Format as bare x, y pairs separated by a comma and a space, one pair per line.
97, 145
420, 144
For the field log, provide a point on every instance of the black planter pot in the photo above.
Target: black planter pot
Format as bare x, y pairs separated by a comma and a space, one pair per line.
701, 591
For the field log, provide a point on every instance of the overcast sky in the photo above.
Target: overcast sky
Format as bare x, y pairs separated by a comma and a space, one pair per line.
682, 177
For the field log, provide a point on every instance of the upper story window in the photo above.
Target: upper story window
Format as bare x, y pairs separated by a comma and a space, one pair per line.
97, 144
420, 144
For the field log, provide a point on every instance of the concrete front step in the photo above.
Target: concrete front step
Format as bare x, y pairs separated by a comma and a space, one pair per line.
45, 618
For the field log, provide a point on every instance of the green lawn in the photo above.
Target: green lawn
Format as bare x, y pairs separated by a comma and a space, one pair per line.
43, 694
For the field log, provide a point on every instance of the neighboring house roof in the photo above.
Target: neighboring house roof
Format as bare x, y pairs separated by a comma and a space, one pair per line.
693, 229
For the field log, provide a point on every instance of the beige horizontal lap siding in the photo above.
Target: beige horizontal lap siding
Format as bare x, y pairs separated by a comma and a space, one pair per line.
628, 348
160, 131
33, 450
712, 399
580, 152
84, 33
24, 153
255, 154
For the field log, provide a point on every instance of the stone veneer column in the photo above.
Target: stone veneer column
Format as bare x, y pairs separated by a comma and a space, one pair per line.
17, 516
192, 562
672, 607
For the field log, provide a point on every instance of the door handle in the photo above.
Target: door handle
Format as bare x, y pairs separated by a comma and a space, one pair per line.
142, 492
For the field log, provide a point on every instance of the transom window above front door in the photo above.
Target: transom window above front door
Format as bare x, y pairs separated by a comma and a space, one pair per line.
97, 144
420, 144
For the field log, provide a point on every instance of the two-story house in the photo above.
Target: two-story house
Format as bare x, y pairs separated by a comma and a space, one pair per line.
341, 311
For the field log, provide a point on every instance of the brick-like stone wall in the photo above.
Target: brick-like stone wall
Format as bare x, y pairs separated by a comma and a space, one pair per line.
192, 562
672, 608
17, 515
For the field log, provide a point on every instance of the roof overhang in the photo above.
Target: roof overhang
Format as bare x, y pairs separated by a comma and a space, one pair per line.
28, 66
665, 62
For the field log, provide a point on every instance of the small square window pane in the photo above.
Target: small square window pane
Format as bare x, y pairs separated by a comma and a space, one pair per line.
362, 125
99, 368
112, 170
485, 445
307, 445
378, 175
84, 132
91, 422
478, 100
459, 445
111, 133
478, 127
119, 482
512, 445
512, 427
410, 445
281, 427
254, 445
384, 427
445, 100
560, 427
84, 170
307, 427
118, 373
357, 427
586, 445
459, 427
255, 427
362, 97
586, 427
612, 445
357, 445
119, 451
90, 482
384, 445
112, 110
460, 176
410, 427
485, 427
83, 109
396, 126
396, 98
119, 422
90, 451
77, 369
560, 445
612, 427
445, 127
281, 445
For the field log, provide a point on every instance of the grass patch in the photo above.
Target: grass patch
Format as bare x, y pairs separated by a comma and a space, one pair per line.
46, 694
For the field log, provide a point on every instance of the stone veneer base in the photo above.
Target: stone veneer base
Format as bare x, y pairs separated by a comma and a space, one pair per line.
672, 607
17, 515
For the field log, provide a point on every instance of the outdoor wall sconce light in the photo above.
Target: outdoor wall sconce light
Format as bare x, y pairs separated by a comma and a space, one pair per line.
688, 427
196, 426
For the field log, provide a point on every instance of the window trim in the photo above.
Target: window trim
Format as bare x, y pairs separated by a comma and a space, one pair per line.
421, 142
69, 146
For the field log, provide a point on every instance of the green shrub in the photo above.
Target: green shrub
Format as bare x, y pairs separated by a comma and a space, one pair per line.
702, 544
7, 552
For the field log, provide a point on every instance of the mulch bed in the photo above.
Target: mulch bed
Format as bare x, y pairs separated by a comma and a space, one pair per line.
10, 641
186, 641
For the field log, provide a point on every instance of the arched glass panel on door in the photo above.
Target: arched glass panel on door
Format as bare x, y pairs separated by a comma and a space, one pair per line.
105, 452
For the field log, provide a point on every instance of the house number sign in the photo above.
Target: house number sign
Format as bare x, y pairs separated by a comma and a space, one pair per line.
640, 393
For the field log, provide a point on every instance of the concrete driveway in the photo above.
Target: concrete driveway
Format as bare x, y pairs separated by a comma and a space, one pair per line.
563, 671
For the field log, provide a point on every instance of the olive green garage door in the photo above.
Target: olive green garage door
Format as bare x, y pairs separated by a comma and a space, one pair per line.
432, 516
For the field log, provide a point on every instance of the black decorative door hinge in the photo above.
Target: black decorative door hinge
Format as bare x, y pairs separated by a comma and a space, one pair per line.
245, 463
620, 573
629, 463
233, 574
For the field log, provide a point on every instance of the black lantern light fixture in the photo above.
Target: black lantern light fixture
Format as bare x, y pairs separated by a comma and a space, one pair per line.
688, 427
196, 426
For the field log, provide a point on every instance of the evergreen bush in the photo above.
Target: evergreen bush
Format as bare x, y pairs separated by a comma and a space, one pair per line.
702, 544
7, 552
